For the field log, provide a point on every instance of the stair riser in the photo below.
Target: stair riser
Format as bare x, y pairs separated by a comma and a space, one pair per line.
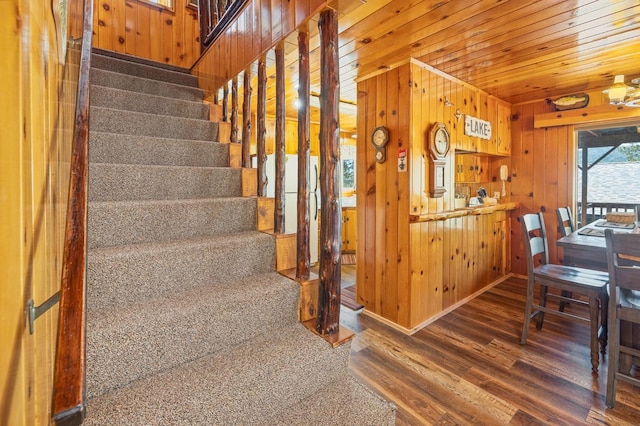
144, 85
147, 150
141, 70
118, 223
114, 182
137, 123
108, 97
127, 274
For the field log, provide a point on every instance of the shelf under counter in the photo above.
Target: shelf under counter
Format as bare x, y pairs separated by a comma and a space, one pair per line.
466, 211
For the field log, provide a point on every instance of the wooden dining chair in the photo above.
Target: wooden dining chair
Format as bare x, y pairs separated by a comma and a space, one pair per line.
566, 226
565, 221
572, 280
623, 257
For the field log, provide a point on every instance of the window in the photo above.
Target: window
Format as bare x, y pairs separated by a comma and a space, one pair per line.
608, 167
166, 4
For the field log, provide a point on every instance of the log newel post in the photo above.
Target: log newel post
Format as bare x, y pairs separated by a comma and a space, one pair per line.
303, 263
262, 127
328, 321
234, 110
278, 213
246, 119
225, 102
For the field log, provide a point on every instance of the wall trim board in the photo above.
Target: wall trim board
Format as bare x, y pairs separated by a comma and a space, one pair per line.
589, 115
411, 331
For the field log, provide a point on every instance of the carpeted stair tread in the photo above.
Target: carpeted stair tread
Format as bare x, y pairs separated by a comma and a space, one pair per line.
153, 335
119, 182
245, 384
125, 274
104, 62
139, 60
149, 150
109, 97
343, 402
144, 85
114, 223
144, 124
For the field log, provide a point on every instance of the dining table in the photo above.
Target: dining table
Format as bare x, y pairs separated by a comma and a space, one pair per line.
586, 247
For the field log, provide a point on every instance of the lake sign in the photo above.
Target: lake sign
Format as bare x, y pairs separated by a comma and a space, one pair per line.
475, 127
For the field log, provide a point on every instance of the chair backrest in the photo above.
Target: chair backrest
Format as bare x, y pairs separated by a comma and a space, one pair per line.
534, 235
623, 257
565, 221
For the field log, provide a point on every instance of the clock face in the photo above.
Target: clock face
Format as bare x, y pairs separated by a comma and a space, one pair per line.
380, 137
442, 141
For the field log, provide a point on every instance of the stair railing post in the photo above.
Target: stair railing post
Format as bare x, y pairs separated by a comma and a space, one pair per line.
246, 119
278, 213
234, 110
303, 253
261, 110
328, 322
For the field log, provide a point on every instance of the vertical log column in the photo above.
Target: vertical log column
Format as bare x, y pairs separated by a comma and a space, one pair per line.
246, 118
261, 134
234, 110
328, 322
278, 213
303, 254
225, 102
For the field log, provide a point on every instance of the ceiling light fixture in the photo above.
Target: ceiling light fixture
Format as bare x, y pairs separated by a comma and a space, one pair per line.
621, 94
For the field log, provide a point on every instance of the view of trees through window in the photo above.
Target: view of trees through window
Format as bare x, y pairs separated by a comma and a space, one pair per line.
608, 171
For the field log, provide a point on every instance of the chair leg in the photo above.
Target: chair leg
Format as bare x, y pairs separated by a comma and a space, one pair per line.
527, 312
594, 325
614, 357
543, 303
564, 293
604, 321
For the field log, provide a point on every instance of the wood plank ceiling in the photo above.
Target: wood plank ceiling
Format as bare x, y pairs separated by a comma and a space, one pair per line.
516, 50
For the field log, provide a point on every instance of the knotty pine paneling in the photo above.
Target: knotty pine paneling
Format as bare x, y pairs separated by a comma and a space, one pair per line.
37, 114
543, 169
271, 21
410, 272
148, 31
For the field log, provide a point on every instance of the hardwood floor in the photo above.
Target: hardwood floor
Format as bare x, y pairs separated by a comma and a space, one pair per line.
469, 368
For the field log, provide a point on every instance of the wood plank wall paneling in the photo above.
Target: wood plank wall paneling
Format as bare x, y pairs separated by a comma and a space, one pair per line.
270, 22
37, 113
410, 272
148, 31
543, 169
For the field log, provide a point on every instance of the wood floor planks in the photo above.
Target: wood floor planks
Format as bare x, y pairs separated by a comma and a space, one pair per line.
469, 368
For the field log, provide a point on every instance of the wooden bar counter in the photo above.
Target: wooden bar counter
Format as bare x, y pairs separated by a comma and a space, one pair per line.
465, 211
452, 257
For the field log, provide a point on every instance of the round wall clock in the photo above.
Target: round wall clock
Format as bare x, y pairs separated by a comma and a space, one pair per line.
379, 140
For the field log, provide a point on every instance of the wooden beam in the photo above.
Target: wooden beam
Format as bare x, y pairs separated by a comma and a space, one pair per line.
331, 225
246, 118
303, 263
590, 115
278, 214
262, 126
234, 110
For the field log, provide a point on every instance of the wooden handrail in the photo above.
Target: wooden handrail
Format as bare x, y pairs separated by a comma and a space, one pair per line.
213, 22
68, 404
